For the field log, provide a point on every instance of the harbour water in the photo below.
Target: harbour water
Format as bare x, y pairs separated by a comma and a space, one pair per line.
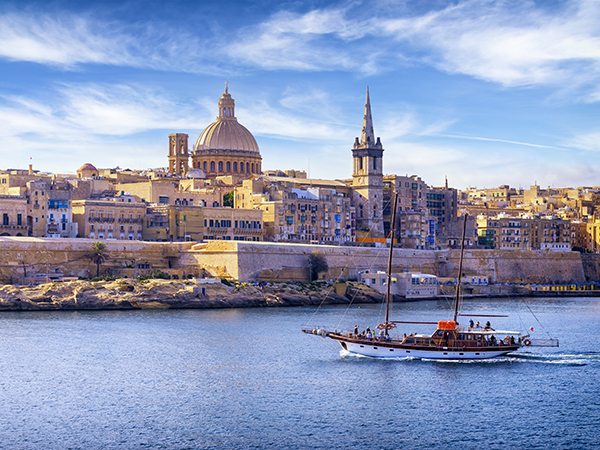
249, 379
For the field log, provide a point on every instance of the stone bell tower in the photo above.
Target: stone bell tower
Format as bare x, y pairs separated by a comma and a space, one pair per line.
367, 178
178, 154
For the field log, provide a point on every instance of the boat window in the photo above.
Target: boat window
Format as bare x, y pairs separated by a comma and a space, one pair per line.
461, 337
439, 333
469, 337
409, 341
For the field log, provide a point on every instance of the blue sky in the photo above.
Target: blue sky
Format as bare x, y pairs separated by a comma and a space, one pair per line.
483, 92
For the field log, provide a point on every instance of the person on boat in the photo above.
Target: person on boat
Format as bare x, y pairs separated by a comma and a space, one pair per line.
488, 326
493, 339
356, 330
368, 331
512, 340
471, 324
477, 326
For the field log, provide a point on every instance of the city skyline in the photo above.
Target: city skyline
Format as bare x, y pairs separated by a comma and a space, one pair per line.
485, 93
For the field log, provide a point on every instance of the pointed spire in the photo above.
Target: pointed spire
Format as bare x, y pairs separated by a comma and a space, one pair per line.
368, 135
226, 87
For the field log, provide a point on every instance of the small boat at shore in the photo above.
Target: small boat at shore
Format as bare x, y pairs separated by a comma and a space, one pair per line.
449, 340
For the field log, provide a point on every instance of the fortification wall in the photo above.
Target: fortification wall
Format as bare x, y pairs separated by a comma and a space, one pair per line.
20, 255
255, 261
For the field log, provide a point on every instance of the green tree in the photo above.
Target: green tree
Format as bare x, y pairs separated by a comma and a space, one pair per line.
97, 255
317, 264
228, 199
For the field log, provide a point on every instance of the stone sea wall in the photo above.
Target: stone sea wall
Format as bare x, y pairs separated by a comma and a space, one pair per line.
269, 261
262, 261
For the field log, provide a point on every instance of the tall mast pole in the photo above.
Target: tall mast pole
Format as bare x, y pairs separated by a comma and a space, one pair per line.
389, 268
462, 249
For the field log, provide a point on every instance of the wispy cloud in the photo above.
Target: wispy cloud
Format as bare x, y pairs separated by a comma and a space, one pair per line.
311, 41
475, 138
587, 141
71, 40
508, 42
77, 121
511, 42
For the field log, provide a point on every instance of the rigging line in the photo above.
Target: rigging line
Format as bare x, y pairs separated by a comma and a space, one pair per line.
540, 323
362, 245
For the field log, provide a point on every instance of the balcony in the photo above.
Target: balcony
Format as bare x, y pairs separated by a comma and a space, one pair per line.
248, 231
215, 230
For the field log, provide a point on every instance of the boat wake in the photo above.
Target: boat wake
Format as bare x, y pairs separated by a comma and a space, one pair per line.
579, 359
571, 359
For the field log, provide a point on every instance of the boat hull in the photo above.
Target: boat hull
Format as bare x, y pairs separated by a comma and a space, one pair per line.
376, 349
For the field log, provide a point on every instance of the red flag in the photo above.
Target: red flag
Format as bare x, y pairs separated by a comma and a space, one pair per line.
531, 328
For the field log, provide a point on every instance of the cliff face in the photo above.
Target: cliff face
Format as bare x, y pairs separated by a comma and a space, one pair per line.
129, 294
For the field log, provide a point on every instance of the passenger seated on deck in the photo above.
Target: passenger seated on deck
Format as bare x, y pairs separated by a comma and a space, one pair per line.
512, 340
477, 326
493, 339
488, 326
368, 330
471, 324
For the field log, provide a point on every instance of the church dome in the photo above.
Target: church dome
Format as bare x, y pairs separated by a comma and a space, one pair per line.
87, 166
226, 133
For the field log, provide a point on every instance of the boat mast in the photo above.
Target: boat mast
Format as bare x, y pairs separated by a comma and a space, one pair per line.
462, 249
389, 268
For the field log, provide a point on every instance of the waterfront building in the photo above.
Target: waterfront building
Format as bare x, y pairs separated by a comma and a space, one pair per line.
116, 217
232, 224
13, 211
525, 233
300, 209
173, 223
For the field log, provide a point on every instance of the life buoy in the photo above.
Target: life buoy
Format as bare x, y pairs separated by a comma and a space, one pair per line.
507, 340
386, 326
381, 326
527, 342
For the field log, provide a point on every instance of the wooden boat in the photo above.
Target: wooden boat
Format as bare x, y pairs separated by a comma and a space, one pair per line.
449, 341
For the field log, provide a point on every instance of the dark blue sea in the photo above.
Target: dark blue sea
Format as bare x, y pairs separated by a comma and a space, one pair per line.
249, 379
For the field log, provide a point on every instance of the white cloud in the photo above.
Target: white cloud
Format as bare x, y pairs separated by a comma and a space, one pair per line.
511, 42
312, 41
92, 119
588, 142
69, 41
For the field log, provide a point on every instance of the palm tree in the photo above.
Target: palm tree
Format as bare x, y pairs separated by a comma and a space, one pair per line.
98, 255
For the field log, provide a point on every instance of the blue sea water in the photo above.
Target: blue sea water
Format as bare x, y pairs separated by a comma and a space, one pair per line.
249, 379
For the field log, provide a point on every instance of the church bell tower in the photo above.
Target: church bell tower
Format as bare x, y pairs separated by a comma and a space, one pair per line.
178, 154
367, 177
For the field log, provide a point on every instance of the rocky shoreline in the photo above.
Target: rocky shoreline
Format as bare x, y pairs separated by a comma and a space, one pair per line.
127, 294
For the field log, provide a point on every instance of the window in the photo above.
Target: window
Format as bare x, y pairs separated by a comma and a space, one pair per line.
212, 166
228, 166
162, 199
220, 166
4, 219
19, 219
204, 165
235, 166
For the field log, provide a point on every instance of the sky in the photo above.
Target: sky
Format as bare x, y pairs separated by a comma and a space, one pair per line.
482, 92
